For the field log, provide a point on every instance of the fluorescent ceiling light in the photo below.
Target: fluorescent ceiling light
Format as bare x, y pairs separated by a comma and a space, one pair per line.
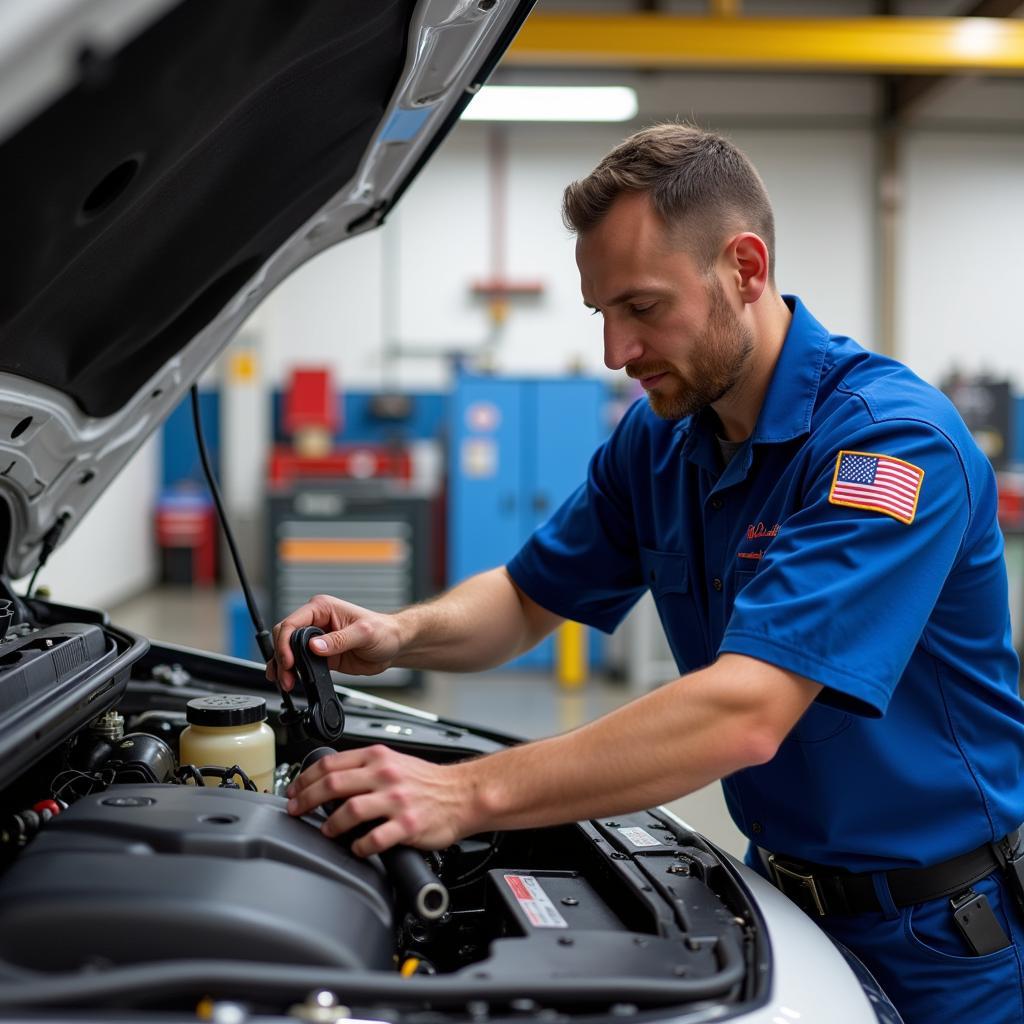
976, 37
552, 103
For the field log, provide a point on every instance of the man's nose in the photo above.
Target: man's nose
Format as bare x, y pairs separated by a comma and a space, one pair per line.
621, 346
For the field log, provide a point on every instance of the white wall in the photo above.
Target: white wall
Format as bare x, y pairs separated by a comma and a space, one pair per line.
111, 553
327, 308
415, 275
957, 271
821, 184
961, 262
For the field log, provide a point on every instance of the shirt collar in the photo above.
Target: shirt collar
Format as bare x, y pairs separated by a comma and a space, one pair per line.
789, 403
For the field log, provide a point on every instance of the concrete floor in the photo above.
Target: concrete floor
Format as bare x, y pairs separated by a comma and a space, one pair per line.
529, 704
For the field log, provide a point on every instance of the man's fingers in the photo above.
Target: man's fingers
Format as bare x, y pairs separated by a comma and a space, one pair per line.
352, 637
283, 659
382, 838
321, 784
357, 810
390, 796
363, 642
339, 761
310, 614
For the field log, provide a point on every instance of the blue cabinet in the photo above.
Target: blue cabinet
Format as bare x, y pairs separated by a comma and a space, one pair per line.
519, 448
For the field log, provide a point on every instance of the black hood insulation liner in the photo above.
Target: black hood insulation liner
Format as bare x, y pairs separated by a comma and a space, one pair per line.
144, 198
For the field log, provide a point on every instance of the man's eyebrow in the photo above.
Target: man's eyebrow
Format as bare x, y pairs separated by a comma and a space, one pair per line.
625, 296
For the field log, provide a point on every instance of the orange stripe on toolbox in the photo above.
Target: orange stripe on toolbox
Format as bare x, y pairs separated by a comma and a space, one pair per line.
325, 550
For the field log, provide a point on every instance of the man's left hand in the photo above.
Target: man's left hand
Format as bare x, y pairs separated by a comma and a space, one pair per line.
422, 804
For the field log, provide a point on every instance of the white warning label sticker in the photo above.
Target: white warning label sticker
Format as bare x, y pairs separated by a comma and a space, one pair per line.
639, 837
535, 902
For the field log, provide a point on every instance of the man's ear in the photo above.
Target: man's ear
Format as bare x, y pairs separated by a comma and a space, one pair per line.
747, 260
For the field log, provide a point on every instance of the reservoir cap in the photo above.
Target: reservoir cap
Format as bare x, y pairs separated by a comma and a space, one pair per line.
226, 709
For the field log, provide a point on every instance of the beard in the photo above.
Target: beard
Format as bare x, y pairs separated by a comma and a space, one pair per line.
719, 358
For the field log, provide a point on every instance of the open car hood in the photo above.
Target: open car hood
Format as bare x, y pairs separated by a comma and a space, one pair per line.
166, 166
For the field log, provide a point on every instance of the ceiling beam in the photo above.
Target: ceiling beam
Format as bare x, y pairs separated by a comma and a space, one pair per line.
903, 95
881, 45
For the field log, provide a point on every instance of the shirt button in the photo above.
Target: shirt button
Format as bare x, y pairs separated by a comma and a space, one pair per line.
716, 583
716, 503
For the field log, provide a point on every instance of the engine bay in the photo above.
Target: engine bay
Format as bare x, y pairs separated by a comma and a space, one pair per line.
131, 879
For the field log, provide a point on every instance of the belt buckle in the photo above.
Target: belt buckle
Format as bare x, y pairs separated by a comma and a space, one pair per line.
800, 888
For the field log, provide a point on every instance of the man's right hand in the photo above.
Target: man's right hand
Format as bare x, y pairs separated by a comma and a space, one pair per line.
356, 640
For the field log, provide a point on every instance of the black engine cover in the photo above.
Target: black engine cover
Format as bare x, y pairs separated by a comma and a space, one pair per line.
149, 872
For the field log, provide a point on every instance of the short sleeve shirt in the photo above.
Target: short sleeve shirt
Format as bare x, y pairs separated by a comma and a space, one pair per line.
853, 540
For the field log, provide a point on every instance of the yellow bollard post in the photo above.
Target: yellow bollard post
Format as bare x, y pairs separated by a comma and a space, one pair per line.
571, 655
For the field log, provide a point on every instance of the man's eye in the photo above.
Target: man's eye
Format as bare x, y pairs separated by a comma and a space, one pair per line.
644, 308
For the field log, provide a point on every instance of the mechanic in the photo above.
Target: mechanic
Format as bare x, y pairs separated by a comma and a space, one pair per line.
819, 532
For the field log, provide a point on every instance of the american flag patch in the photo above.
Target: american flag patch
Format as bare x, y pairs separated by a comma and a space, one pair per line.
877, 483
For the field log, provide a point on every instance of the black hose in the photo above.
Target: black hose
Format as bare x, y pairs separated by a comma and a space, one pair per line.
284, 982
50, 540
422, 891
263, 637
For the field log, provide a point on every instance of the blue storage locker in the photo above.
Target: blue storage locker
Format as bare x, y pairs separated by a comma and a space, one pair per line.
520, 447
484, 528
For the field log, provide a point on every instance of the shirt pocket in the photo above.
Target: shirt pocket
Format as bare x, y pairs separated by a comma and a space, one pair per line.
667, 574
740, 578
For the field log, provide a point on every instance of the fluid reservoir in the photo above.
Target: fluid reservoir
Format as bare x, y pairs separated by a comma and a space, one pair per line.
230, 729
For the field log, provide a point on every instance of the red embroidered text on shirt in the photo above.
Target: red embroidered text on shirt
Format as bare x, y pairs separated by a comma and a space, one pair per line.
755, 532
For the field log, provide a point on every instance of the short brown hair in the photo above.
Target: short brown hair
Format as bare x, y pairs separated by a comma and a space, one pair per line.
697, 182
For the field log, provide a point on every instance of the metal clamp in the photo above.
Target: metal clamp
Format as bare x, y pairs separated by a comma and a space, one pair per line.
1009, 853
800, 888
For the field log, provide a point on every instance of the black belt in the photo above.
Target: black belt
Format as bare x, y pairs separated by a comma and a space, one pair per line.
821, 890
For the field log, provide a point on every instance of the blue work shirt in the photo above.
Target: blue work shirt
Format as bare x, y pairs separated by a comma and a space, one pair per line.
914, 751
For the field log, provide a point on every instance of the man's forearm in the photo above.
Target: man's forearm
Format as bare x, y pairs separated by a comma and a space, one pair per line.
669, 743
662, 746
481, 623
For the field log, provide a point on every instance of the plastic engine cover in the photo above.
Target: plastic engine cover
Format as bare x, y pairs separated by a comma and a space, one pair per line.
149, 872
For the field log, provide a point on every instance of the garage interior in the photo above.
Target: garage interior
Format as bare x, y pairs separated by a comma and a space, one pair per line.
439, 379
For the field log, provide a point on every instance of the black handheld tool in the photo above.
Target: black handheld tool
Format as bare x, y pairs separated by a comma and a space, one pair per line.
324, 718
425, 894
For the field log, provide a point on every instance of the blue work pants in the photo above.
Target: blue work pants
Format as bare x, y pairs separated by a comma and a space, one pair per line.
923, 963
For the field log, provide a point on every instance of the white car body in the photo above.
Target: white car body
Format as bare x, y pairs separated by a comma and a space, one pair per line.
60, 447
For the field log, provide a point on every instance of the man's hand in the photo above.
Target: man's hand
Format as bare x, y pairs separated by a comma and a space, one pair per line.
483, 622
357, 641
732, 715
422, 804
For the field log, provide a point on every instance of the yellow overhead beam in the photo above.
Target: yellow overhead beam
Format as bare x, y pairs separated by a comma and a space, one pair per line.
883, 45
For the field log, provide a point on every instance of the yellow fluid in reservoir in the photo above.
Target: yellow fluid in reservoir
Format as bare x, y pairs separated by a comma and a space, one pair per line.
226, 730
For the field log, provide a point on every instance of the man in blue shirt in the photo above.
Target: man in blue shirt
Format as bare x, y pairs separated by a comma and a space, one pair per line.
819, 533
